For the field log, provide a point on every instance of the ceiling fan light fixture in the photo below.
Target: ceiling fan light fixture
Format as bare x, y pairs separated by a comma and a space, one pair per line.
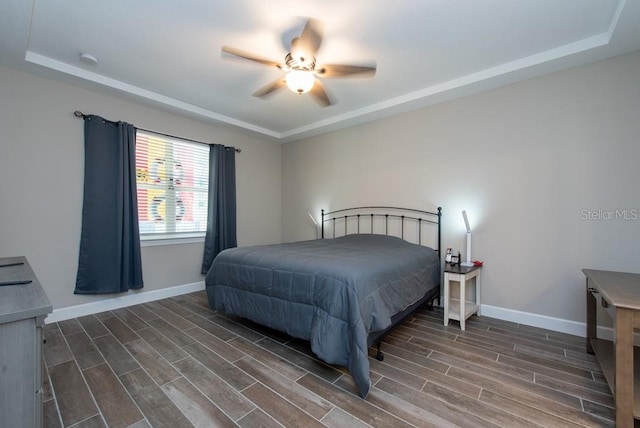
300, 81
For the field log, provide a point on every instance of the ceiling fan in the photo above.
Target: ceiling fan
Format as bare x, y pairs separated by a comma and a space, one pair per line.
302, 71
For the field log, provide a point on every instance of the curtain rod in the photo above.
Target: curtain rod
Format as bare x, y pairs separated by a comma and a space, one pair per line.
81, 115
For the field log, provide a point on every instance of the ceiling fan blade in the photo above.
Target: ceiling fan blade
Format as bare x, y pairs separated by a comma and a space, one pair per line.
311, 37
339, 70
269, 88
319, 95
246, 55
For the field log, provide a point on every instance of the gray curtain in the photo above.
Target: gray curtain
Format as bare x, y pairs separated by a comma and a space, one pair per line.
109, 259
221, 216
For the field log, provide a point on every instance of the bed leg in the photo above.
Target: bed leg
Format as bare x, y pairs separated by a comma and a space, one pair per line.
379, 355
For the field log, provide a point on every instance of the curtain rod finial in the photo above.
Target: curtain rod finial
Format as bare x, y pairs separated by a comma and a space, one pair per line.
78, 113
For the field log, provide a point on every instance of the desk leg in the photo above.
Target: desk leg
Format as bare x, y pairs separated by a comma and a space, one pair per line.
591, 319
463, 301
446, 299
624, 368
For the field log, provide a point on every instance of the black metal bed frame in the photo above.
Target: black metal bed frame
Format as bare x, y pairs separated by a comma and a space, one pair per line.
419, 216
414, 217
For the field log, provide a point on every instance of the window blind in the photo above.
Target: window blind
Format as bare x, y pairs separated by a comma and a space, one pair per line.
172, 177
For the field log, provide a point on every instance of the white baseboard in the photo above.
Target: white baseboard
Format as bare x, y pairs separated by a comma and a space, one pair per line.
546, 322
135, 298
129, 299
535, 320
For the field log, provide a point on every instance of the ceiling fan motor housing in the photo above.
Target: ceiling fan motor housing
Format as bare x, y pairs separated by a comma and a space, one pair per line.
300, 62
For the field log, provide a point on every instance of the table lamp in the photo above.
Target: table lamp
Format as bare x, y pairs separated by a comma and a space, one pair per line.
313, 219
467, 261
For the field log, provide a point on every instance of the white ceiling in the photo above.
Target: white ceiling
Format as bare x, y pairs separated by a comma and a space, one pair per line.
167, 52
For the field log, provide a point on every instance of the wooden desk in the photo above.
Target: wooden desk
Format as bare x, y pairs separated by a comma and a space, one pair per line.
619, 294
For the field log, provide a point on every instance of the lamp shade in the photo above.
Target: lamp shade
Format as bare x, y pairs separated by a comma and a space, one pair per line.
466, 221
300, 81
468, 262
313, 219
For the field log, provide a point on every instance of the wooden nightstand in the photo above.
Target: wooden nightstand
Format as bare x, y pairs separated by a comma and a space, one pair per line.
460, 309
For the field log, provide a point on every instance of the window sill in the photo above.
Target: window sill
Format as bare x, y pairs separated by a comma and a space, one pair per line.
172, 241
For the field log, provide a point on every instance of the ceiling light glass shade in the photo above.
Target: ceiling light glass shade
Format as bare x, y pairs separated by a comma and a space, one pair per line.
300, 81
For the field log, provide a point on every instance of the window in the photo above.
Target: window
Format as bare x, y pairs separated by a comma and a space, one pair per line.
172, 176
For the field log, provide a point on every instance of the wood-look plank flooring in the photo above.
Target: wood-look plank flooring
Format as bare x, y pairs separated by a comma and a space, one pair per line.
176, 363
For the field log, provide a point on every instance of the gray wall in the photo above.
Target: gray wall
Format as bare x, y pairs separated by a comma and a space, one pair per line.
525, 161
41, 176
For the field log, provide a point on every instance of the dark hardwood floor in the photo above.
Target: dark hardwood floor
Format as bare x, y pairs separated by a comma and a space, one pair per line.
175, 363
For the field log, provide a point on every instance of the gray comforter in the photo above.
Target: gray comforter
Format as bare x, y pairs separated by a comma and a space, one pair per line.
332, 292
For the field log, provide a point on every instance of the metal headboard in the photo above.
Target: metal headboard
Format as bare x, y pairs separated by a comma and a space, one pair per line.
403, 214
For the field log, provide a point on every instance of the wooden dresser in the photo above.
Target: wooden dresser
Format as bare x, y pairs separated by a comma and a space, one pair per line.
23, 308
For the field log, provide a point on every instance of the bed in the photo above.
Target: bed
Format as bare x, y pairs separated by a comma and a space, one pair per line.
344, 292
